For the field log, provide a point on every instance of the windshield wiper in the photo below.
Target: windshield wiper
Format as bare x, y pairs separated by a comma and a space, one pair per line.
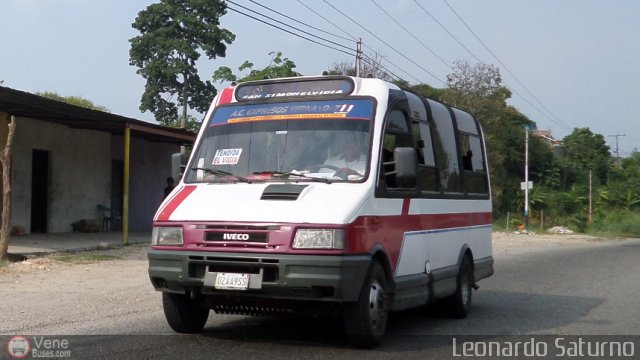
223, 173
288, 174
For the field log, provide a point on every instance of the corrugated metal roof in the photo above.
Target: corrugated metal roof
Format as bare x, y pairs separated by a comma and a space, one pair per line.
24, 104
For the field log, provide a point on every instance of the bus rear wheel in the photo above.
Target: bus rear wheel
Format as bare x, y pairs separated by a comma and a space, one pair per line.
366, 320
459, 303
183, 314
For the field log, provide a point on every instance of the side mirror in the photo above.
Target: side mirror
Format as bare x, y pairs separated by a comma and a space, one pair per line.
406, 169
178, 165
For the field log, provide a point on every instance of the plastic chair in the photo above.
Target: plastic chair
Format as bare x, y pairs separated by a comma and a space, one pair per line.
107, 217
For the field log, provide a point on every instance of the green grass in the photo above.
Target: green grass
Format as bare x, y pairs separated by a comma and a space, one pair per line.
82, 258
623, 223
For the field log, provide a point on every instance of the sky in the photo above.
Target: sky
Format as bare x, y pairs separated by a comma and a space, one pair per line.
570, 63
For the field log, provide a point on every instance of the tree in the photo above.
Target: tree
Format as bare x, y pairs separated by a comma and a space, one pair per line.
427, 91
623, 184
469, 87
5, 160
583, 150
193, 124
278, 67
73, 100
174, 33
371, 66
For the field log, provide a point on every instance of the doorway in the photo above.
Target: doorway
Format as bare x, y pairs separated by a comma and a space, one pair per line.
39, 191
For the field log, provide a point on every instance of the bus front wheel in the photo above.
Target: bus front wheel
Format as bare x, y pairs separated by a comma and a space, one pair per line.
366, 320
183, 314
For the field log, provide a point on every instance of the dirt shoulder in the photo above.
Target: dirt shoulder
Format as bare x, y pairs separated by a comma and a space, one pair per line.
44, 295
73, 259
505, 243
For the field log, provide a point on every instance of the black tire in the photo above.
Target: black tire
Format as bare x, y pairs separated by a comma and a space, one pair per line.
183, 314
459, 303
366, 320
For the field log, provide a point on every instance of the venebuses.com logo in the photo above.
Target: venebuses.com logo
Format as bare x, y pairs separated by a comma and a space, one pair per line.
21, 347
18, 347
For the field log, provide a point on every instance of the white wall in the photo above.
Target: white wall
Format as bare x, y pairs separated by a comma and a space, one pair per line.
80, 172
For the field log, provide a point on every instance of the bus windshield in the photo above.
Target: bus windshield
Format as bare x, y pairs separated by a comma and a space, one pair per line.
325, 140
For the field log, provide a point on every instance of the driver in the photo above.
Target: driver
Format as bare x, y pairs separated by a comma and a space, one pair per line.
349, 159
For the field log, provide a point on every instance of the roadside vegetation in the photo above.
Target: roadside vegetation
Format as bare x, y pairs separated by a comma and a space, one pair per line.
82, 257
566, 177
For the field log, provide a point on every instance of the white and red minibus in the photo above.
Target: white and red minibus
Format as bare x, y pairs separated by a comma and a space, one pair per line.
325, 193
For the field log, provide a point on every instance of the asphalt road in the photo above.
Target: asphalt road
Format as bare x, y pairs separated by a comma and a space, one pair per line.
582, 290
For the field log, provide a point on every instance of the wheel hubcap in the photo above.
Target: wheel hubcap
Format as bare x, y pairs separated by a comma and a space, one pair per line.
465, 288
376, 303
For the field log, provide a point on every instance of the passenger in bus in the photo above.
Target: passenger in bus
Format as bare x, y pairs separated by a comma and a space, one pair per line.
348, 156
467, 165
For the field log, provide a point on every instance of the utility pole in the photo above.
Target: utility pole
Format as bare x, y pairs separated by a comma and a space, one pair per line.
617, 149
183, 120
590, 218
526, 179
358, 57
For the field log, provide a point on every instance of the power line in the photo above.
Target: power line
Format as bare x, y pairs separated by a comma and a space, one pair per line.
557, 120
447, 30
300, 22
412, 35
327, 20
367, 59
282, 23
290, 32
370, 61
384, 42
375, 63
338, 27
469, 51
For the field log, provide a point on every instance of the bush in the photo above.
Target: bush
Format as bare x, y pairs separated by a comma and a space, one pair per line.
618, 223
500, 222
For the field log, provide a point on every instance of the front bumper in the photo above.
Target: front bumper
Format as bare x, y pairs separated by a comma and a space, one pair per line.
275, 276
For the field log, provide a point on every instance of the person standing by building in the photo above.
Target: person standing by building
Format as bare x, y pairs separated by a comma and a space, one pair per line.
169, 187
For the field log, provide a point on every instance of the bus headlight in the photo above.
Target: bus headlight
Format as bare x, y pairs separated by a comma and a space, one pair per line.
165, 235
319, 239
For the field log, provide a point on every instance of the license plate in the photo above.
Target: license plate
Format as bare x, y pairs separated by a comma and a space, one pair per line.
232, 281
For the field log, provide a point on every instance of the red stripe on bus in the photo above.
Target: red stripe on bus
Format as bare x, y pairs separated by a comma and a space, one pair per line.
364, 233
388, 231
173, 204
226, 96
405, 206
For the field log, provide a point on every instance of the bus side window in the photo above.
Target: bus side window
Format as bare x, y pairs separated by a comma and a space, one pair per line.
422, 141
446, 148
427, 170
475, 175
465, 151
396, 134
471, 154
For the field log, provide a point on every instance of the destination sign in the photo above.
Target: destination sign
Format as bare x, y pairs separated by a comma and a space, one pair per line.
293, 89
